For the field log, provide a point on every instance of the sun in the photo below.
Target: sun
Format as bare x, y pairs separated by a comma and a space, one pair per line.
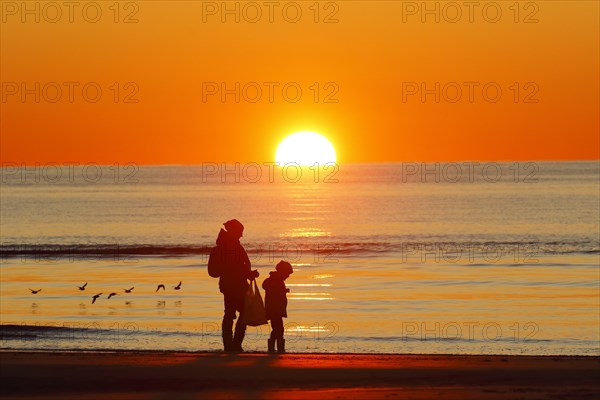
306, 149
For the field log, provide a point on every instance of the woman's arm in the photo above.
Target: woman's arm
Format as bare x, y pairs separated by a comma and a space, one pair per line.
248, 266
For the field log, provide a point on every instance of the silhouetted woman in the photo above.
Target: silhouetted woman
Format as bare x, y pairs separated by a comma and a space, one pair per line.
233, 283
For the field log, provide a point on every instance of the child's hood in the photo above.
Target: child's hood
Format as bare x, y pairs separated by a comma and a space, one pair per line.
273, 279
276, 275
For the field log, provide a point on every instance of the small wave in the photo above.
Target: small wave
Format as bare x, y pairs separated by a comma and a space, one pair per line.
100, 250
32, 332
333, 248
112, 250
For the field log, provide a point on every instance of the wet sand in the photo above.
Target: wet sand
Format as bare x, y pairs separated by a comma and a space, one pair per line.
152, 375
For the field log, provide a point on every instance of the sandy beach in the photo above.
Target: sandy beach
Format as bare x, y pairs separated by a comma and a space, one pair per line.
151, 375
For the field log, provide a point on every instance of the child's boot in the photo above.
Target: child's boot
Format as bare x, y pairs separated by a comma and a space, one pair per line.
280, 345
271, 345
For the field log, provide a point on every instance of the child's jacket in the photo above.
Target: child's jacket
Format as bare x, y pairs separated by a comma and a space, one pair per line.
275, 296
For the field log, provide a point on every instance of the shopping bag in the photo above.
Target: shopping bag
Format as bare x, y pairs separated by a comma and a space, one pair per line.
254, 308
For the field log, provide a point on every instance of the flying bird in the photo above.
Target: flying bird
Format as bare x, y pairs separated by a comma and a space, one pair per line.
111, 295
128, 290
96, 297
82, 287
35, 291
161, 286
178, 286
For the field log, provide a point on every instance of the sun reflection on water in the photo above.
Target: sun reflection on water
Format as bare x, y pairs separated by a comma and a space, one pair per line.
310, 296
309, 284
302, 328
306, 232
322, 276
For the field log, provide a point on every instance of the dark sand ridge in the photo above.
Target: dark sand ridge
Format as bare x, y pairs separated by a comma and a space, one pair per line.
150, 375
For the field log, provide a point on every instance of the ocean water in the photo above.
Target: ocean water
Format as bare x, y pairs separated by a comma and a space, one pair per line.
461, 258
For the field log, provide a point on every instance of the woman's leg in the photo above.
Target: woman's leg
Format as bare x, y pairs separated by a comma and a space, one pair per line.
227, 324
240, 325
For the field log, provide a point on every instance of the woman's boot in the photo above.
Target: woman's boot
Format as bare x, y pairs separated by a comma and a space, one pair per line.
238, 338
281, 345
271, 345
227, 342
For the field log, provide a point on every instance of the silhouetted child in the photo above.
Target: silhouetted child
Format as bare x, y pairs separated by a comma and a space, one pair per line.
276, 303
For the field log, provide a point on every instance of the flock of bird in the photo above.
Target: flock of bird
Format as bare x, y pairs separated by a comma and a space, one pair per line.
96, 296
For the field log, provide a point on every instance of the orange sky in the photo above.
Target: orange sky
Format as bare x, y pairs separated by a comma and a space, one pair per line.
372, 55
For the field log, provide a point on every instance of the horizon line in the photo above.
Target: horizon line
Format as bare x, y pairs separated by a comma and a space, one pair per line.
12, 164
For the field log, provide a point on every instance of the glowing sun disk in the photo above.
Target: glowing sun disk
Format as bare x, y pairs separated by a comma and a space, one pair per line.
306, 149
